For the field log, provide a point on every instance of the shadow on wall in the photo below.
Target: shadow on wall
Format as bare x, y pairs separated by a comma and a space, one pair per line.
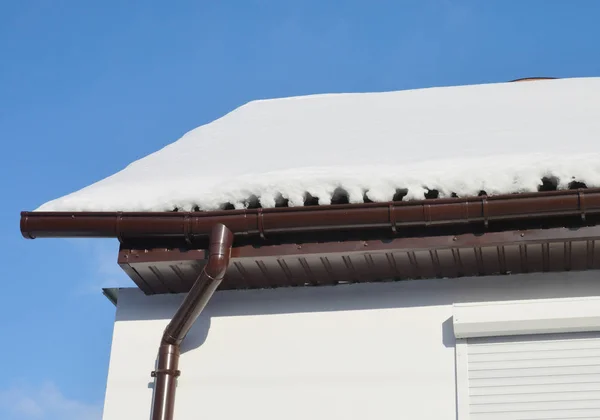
198, 334
135, 306
448, 338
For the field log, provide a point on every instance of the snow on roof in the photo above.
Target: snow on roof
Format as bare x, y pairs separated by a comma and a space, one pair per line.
499, 138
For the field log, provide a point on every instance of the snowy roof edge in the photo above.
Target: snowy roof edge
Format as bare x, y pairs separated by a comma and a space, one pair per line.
412, 180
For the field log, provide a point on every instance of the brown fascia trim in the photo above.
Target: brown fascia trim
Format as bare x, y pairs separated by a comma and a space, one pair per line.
167, 365
262, 222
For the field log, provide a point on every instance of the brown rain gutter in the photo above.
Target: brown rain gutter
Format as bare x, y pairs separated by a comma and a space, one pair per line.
166, 373
190, 225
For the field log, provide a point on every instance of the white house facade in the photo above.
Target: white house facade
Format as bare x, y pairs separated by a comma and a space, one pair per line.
380, 351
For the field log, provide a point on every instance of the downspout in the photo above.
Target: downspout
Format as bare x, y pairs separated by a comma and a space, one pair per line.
167, 369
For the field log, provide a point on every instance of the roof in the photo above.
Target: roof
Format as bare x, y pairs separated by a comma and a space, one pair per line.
354, 148
520, 201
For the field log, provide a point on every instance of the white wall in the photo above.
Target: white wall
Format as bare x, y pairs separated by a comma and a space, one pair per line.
368, 351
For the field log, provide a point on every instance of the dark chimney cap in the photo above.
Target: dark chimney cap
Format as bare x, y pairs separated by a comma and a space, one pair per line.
530, 79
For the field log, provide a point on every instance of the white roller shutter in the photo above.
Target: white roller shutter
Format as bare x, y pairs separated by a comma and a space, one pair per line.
534, 377
526, 375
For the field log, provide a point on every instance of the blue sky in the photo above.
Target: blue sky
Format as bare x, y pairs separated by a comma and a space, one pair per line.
87, 87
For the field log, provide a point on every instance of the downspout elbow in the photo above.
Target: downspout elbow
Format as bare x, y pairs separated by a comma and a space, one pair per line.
217, 266
221, 240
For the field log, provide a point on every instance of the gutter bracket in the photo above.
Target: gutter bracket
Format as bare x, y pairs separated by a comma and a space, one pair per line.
581, 197
485, 211
261, 223
393, 218
172, 372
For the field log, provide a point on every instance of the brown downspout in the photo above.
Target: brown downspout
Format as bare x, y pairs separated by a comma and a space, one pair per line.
167, 369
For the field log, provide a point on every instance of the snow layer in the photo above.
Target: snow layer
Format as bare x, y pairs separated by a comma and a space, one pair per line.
499, 138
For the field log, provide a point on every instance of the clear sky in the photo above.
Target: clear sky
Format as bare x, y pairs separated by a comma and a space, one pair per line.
87, 87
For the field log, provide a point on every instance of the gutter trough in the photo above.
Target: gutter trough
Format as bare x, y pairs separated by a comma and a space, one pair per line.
189, 226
